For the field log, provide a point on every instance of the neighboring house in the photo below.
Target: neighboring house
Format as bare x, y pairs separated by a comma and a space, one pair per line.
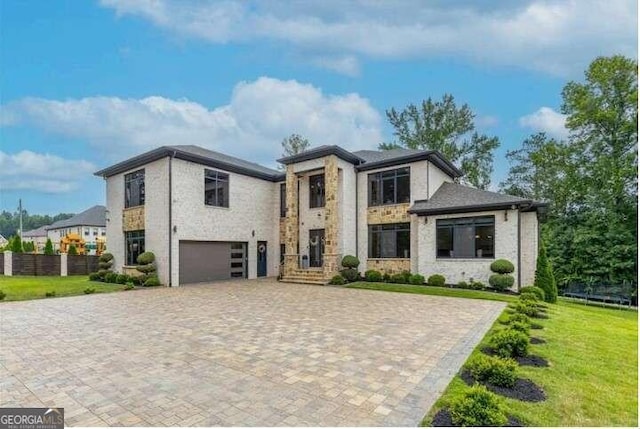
38, 236
90, 225
3, 241
209, 216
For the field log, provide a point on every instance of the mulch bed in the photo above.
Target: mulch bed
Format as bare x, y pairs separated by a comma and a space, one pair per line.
523, 390
536, 340
443, 419
529, 360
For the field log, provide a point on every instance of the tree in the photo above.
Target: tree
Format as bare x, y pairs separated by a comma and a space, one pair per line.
442, 126
544, 276
72, 250
16, 244
48, 247
294, 144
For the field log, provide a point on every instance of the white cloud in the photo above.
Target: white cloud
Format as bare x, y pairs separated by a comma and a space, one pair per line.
252, 125
547, 120
27, 170
555, 36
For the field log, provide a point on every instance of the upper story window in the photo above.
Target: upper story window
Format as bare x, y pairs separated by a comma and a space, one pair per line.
468, 237
134, 189
316, 191
216, 188
390, 187
390, 240
283, 200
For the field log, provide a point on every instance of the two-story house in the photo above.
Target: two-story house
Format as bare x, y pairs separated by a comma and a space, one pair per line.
208, 216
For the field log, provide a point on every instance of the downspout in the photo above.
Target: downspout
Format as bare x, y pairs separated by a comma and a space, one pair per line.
171, 217
357, 213
519, 252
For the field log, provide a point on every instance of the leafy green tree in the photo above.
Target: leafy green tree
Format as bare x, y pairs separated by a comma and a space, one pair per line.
544, 276
449, 129
294, 144
16, 244
9, 222
72, 250
48, 247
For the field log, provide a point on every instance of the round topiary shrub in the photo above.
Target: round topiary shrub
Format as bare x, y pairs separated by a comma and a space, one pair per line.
407, 276
373, 276
350, 261
337, 280
122, 279
493, 369
146, 264
463, 285
502, 266
417, 279
94, 277
528, 297
477, 285
152, 281
397, 278
436, 280
350, 274
110, 277
105, 257
510, 343
535, 290
478, 407
146, 258
501, 282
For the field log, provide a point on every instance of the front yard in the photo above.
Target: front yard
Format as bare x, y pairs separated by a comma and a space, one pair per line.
19, 288
592, 379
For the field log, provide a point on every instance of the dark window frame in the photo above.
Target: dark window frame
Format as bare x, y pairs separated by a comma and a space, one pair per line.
479, 243
377, 181
217, 177
283, 200
131, 180
376, 234
317, 191
130, 238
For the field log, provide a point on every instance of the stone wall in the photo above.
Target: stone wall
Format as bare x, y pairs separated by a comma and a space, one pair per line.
331, 217
133, 219
389, 266
396, 213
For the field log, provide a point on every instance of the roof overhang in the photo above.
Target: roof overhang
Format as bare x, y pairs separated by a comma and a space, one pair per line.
321, 152
434, 156
524, 206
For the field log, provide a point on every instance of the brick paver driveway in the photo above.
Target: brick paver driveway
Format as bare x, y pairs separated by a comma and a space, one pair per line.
237, 353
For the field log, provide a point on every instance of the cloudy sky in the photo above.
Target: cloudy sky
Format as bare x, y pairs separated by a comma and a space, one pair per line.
86, 84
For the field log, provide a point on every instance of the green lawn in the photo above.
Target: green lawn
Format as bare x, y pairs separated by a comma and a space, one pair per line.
437, 291
18, 288
593, 353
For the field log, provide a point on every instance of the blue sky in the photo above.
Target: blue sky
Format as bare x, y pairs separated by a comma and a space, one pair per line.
86, 84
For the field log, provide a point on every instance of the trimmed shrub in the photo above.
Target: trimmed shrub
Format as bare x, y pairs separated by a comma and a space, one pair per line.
122, 279
463, 285
527, 308
110, 277
478, 407
407, 276
386, 277
477, 285
105, 257
520, 327
105, 265
129, 286
2, 295
373, 276
510, 343
152, 281
532, 289
501, 282
337, 280
146, 258
397, 278
350, 274
350, 261
417, 279
146, 269
519, 318
89, 290
146, 265
137, 280
502, 266
494, 370
544, 278
436, 280
528, 297
94, 277
50, 294
48, 248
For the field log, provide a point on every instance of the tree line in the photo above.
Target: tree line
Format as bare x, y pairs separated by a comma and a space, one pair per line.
10, 222
588, 179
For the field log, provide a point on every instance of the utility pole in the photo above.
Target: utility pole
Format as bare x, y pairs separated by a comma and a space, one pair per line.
20, 210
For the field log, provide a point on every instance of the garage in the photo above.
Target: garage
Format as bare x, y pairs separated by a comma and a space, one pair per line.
205, 261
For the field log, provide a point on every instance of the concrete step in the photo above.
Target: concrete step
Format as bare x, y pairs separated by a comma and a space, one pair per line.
303, 280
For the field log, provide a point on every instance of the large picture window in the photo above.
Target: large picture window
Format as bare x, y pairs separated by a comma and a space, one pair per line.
134, 189
469, 237
216, 188
390, 187
134, 246
283, 200
390, 241
316, 191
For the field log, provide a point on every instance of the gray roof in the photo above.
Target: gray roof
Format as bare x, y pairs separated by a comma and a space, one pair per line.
199, 155
370, 156
95, 216
455, 198
320, 151
386, 158
38, 232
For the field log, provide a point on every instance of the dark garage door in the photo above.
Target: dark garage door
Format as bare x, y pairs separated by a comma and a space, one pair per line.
205, 261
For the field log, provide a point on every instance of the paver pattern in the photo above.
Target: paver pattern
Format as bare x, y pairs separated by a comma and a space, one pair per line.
244, 353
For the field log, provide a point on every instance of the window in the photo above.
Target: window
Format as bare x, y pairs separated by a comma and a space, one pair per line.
86, 231
134, 189
390, 241
95, 231
216, 188
389, 187
470, 237
134, 243
103, 233
316, 191
283, 200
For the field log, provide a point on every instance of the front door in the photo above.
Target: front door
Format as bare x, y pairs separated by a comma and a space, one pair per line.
316, 247
262, 258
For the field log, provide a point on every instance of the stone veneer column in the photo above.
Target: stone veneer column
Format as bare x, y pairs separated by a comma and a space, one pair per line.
291, 224
331, 218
